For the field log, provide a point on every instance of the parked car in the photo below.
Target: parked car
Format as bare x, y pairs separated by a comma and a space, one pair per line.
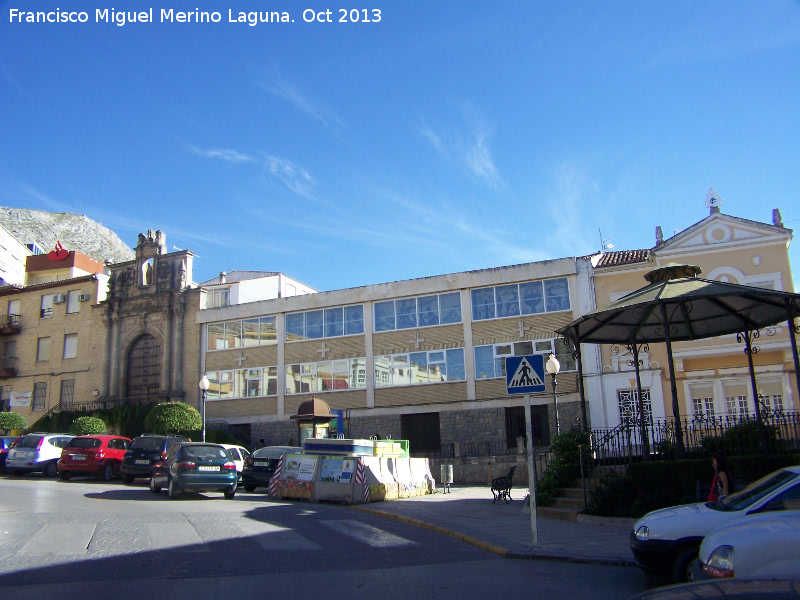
6, 443
196, 467
665, 542
143, 452
260, 466
99, 455
752, 589
238, 454
766, 545
37, 452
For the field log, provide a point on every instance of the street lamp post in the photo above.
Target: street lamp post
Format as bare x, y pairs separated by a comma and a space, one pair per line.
204, 388
552, 366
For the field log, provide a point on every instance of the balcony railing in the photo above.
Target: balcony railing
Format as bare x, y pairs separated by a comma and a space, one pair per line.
9, 324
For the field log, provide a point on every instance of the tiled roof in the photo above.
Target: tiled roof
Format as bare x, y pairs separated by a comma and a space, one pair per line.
623, 257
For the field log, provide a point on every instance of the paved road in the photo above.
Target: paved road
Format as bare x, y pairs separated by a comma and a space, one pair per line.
87, 539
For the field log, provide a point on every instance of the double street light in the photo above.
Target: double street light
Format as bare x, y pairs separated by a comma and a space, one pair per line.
552, 366
204, 385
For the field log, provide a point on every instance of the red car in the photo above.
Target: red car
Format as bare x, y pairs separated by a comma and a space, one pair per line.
98, 455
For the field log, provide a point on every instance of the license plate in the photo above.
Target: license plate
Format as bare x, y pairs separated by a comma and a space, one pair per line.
77, 457
260, 464
207, 468
20, 454
142, 462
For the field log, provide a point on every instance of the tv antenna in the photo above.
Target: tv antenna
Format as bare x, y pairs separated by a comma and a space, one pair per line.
605, 244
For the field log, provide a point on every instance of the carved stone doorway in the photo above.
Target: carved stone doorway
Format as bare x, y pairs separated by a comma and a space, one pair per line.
143, 380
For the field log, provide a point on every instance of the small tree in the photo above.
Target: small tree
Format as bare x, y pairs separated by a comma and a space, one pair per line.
173, 417
12, 420
87, 426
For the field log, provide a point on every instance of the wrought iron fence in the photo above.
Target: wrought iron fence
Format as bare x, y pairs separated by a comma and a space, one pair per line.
736, 434
778, 432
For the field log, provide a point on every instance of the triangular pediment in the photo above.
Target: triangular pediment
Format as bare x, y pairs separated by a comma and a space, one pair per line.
723, 231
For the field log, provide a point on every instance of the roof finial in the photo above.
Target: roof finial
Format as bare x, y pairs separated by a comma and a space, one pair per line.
776, 217
713, 201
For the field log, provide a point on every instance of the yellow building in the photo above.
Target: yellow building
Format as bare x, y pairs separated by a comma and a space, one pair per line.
712, 375
51, 335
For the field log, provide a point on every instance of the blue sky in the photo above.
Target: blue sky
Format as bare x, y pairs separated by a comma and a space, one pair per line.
447, 137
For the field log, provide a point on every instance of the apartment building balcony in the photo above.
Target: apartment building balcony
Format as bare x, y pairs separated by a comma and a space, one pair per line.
9, 324
8, 366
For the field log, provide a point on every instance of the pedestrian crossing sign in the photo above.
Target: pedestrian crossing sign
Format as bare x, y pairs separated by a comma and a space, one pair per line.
525, 374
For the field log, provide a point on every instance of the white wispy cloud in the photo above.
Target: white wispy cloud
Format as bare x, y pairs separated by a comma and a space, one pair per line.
469, 149
280, 88
294, 177
225, 154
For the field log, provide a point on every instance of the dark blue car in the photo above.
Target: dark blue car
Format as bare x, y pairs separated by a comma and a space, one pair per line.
195, 467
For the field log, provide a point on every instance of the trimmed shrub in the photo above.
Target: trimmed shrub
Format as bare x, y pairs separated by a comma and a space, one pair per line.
87, 426
565, 466
12, 420
651, 485
173, 417
744, 438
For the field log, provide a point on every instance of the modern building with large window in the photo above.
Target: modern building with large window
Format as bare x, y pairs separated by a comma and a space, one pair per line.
421, 359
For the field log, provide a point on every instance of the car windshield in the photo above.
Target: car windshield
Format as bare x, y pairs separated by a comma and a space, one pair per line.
29, 441
147, 444
205, 452
84, 443
753, 492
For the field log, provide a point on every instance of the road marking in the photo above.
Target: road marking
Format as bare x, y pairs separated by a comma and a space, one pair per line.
60, 538
273, 537
172, 535
372, 536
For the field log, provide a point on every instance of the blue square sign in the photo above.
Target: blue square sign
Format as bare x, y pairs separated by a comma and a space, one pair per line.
525, 374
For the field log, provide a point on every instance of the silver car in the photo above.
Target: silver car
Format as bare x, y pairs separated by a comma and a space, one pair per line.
37, 452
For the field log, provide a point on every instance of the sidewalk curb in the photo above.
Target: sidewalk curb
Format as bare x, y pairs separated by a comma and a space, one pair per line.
499, 550
459, 536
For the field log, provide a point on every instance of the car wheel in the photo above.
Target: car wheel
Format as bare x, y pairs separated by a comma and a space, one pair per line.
156, 489
172, 491
682, 567
51, 470
128, 479
108, 473
230, 492
249, 487
64, 475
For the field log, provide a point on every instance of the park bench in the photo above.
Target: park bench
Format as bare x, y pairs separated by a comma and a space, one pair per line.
501, 486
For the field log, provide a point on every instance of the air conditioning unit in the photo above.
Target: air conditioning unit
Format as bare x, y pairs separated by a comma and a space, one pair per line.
59, 299
83, 297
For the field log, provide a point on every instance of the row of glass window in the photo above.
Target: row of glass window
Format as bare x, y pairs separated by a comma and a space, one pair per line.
515, 299
415, 368
737, 405
391, 370
423, 311
238, 334
327, 376
324, 323
490, 361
